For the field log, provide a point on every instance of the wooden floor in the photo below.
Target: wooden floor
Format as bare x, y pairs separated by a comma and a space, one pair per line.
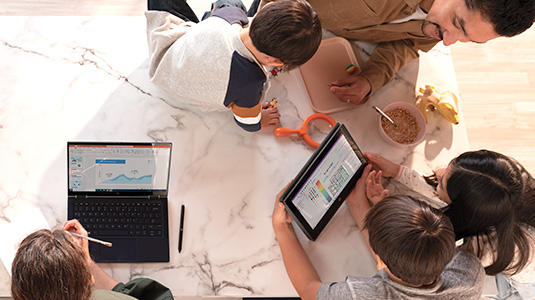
497, 85
496, 80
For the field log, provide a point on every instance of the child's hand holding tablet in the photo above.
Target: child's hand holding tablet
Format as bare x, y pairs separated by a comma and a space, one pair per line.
327, 178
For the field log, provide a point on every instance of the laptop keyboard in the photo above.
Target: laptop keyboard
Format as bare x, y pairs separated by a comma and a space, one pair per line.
120, 218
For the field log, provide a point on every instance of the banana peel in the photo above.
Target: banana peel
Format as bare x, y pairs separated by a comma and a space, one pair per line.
446, 103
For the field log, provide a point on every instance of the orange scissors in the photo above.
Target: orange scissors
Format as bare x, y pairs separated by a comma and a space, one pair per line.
302, 132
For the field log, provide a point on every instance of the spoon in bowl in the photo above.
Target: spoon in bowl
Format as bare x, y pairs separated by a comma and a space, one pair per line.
384, 115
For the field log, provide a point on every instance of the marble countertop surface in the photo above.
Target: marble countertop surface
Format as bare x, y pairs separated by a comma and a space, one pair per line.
85, 79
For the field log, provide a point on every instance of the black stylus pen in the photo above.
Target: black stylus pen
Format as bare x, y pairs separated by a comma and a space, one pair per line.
181, 230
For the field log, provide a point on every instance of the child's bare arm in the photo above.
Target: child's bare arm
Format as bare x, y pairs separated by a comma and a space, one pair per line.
359, 205
302, 273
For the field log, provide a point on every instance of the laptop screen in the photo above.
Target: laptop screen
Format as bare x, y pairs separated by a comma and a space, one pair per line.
118, 167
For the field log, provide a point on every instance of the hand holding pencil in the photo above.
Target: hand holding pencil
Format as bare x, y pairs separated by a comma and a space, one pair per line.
108, 244
74, 226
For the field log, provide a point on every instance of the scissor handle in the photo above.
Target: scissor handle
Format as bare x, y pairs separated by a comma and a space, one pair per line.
281, 131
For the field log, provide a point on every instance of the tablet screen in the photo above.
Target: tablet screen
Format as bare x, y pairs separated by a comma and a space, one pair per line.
327, 181
324, 182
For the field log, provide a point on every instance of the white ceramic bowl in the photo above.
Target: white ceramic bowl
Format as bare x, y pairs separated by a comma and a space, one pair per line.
413, 111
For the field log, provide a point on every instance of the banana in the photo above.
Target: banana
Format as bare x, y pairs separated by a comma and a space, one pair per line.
448, 107
428, 100
445, 103
423, 105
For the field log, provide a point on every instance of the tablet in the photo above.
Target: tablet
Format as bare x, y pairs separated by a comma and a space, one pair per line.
318, 190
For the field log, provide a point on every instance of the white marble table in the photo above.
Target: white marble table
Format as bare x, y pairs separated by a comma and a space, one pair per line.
82, 78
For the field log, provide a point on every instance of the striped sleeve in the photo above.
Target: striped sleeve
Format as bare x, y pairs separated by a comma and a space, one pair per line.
417, 183
244, 92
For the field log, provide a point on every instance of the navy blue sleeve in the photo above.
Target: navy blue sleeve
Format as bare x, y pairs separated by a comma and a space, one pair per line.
249, 127
232, 15
244, 92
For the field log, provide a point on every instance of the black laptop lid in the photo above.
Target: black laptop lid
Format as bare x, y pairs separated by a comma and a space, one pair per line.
118, 169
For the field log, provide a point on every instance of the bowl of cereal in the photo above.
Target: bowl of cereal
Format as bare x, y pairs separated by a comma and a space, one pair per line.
410, 124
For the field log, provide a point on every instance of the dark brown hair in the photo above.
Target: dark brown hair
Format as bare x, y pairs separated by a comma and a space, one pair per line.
492, 205
50, 265
289, 30
414, 240
509, 17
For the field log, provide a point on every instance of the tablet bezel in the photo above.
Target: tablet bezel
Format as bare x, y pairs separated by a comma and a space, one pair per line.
307, 170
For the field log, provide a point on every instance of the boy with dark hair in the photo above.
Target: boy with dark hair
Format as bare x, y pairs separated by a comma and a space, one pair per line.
223, 62
414, 242
414, 247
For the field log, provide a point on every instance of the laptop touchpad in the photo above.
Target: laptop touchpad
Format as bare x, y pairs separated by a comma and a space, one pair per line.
123, 250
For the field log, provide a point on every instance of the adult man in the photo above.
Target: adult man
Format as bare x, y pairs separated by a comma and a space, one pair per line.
402, 27
414, 246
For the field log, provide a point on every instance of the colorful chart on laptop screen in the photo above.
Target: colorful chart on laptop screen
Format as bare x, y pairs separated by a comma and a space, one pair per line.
116, 168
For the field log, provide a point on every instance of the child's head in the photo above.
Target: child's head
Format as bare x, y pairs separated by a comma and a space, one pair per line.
491, 195
414, 240
289, 30
50, 265
482, 183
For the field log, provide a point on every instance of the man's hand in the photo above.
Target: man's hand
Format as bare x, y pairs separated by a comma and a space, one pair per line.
352, 89
379, 163
270, 116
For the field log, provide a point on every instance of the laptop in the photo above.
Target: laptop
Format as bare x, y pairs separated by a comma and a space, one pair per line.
118, 191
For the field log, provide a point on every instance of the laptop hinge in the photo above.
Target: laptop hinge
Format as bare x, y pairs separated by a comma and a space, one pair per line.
80, 197
154, 197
